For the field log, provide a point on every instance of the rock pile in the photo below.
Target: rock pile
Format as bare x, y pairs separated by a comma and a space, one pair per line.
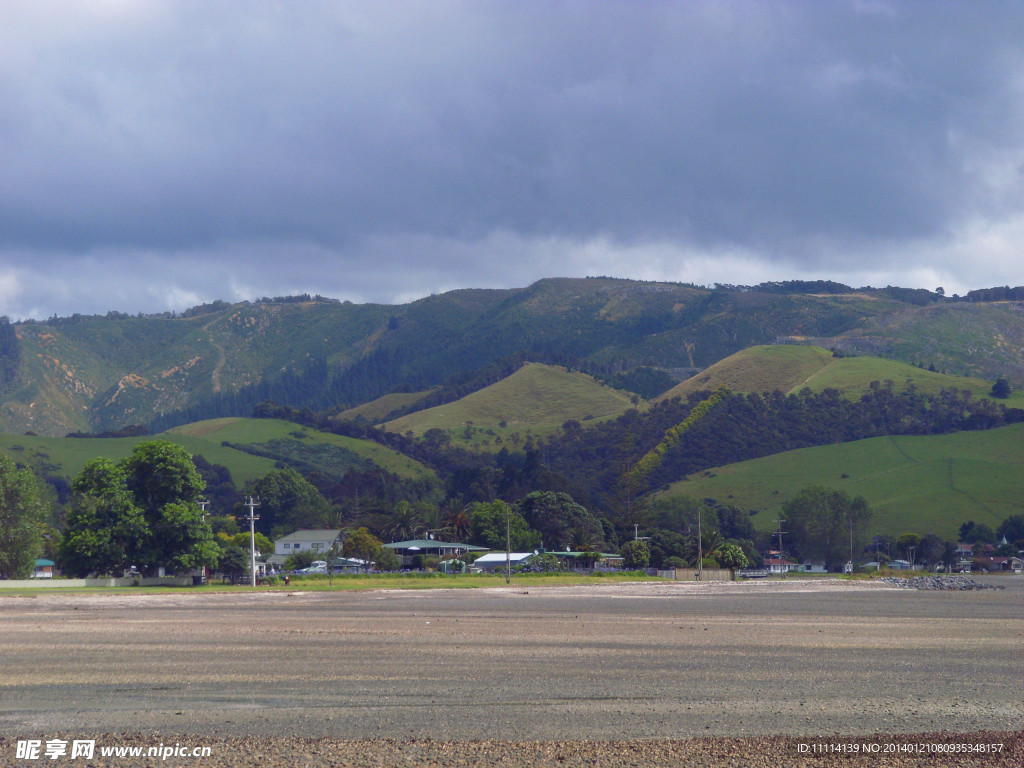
957, 583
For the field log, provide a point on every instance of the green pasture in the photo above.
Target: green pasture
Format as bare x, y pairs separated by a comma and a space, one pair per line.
758, 369
63, 456
535, 400
376, 410
790, 368
915, 484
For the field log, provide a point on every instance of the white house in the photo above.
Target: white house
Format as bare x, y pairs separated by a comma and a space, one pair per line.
777, 565
317, 540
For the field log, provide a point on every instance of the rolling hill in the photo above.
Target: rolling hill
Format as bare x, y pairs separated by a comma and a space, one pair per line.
915, 484
102, 373
790, 368
249, 448
535, 400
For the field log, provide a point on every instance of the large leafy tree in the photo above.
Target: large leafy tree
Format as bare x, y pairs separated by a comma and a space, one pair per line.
105, 530
21, 517
288, 502
487, 526
148, 503
555, 515
636, 554
821, 522
362, 545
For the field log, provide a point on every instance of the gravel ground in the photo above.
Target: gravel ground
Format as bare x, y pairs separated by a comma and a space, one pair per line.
645, 674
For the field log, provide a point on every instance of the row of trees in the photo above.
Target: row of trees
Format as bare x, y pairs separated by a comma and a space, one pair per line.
144, 512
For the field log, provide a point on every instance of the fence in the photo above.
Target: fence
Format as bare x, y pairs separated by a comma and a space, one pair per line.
708, 574
166, 581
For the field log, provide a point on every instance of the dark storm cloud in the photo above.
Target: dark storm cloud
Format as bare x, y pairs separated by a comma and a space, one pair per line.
156, 154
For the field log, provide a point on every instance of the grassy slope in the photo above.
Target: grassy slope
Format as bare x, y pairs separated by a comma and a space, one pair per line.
66, 456
915, 484
537, 399
790, 368
375, 410
758, 369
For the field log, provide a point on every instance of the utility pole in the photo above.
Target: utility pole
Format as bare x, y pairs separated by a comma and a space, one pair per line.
508, 546
779, 522
700, 549
252, 517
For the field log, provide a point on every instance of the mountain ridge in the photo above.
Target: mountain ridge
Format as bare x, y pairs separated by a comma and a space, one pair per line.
100, 373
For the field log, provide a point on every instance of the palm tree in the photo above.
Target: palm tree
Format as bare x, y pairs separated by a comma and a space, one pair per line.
585, 541
710, 543
404, 522
456, 518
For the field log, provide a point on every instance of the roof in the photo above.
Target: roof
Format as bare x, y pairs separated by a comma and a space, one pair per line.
42, 562
433, 544
312, 533
499, 557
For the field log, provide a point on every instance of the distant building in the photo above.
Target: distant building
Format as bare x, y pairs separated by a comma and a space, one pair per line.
316, 540
777, 565
495, 561
407, 550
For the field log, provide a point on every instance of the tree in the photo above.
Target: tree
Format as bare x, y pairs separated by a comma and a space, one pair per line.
907, 541
159, 472
636, 555
362, 545
297, 560
555, 515
233, 562
288, 502
820, 521
977, 533
1000, 389
731, 556
105, 530
387, 560
665, 546
244, 540
487, 527
1012, 528
21, 518
457, 520
931, 550
404, 523
149, 500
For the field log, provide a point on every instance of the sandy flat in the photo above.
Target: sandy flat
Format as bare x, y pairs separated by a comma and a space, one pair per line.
605, 663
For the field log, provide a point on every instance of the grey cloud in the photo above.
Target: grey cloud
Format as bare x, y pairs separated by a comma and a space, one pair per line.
825, 134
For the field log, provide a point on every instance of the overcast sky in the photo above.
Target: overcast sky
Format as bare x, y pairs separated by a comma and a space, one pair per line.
155, 155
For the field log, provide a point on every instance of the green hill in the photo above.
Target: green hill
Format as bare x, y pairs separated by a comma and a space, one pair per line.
249, 448
377, 410
102, 373
535, 400
758, 369
790, 368
915, 484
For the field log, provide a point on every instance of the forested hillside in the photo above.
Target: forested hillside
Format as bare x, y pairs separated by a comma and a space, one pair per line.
102, 373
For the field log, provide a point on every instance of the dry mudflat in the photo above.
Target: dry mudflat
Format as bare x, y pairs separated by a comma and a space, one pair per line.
645, 674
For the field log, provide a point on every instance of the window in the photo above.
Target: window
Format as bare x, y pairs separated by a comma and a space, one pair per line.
317, 546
